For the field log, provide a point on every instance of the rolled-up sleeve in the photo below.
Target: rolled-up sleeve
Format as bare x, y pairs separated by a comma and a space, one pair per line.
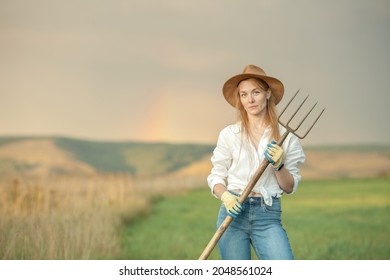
294, 158
221, 161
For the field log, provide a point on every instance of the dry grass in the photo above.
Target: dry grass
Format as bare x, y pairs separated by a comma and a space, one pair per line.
75, 217
65, 217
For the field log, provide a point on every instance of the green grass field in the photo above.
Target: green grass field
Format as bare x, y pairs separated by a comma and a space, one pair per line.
325, 220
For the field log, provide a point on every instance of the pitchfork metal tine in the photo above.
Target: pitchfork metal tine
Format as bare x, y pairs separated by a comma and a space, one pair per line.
289, 103
293, 130
293, 115
307, 132
299, 125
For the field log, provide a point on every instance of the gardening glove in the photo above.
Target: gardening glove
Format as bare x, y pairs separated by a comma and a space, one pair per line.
274, 154
232, 205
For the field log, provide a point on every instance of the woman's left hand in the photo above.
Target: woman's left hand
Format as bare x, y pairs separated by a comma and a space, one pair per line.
274, 155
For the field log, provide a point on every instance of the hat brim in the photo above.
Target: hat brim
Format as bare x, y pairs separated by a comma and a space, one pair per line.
230, 87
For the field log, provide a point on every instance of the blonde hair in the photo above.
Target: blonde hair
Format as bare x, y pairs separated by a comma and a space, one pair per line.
271, 117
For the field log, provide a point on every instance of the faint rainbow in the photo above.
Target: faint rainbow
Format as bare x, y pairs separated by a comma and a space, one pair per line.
158, 115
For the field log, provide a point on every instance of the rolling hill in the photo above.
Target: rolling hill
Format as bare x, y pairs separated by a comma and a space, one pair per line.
59, 155
68, 156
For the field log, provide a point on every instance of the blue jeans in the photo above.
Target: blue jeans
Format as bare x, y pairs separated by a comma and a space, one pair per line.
258, 225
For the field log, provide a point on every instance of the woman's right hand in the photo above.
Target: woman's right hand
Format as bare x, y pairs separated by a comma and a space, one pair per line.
232, 205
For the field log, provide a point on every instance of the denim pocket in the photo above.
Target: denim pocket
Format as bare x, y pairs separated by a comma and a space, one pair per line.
272, 209
275, 208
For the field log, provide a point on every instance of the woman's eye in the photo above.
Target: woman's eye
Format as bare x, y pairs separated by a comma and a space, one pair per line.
256, 92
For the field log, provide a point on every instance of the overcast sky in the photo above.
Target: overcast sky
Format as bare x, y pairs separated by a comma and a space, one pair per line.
154, 70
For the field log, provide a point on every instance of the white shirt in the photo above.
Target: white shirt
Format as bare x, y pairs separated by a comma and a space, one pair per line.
235, 161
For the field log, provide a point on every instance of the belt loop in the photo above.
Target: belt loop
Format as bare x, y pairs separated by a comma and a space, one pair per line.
262, 203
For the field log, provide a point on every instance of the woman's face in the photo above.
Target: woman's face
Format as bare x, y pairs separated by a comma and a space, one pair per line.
253, 97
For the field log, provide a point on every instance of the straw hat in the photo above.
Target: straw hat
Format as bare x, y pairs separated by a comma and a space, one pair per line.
251, 71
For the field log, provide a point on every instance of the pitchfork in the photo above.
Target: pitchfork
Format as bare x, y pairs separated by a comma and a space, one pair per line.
220, 231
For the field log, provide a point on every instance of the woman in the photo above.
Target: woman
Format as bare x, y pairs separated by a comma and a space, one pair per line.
240, 149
